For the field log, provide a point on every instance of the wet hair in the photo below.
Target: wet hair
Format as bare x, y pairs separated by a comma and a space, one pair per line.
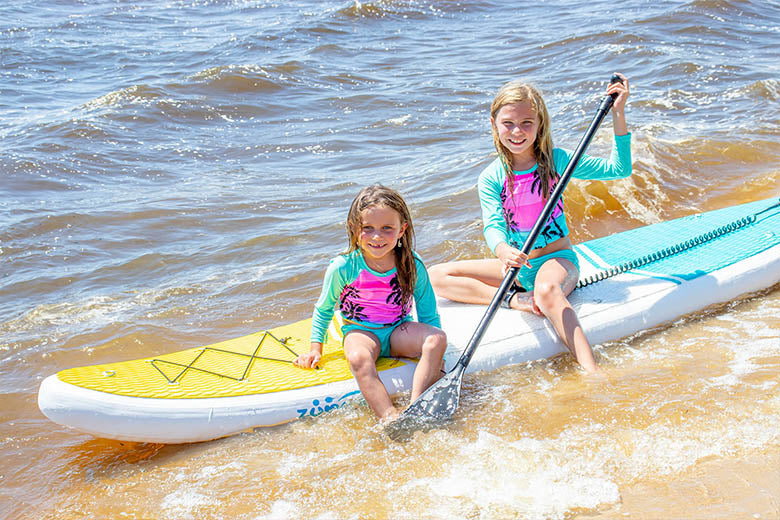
377, 195
520, 92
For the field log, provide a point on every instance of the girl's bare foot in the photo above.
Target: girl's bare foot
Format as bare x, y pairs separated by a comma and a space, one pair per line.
389, 416
524, 302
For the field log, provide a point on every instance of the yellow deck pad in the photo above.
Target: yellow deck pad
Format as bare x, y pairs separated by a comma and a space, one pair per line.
259, 363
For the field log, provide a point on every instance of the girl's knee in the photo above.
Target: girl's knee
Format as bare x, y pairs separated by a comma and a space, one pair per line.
435, 344
359, 359
547, 294
437, 274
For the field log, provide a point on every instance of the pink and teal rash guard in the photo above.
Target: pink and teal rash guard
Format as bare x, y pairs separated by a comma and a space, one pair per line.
368, 297
508, 215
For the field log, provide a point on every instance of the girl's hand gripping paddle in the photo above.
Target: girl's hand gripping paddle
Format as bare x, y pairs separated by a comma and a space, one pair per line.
439, 402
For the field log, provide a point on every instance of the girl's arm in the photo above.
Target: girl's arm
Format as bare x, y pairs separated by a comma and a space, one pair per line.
618, 165
425, 298
490, 184
332, 286
619, 105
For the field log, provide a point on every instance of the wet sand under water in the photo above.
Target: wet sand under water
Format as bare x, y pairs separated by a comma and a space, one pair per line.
742, 487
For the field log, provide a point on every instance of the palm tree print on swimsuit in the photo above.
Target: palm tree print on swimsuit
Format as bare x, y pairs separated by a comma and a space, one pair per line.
348, 305
395, 298
552, 231
536, 186
509, 216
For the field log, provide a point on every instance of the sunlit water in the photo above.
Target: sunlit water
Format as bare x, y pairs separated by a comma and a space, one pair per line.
175, 174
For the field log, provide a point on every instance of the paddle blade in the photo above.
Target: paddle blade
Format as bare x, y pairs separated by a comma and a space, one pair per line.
437, 404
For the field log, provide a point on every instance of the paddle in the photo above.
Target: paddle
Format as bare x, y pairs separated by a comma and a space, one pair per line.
440, 401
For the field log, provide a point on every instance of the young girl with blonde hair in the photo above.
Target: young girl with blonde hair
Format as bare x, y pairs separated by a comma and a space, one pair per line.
374, 285
512, 192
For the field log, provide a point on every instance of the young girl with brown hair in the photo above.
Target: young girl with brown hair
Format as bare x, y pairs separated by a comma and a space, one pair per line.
374, 285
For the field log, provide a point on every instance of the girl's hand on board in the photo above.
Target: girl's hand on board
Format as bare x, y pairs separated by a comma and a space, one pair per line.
308, 360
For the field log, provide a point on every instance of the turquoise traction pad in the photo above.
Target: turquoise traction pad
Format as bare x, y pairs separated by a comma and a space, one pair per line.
725, 249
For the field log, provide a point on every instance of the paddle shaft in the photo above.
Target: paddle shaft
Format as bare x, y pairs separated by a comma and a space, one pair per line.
549, 206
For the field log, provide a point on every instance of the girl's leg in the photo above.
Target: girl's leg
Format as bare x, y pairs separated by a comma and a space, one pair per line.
555, 280
362, 349
474, 281
413, 339
467, 281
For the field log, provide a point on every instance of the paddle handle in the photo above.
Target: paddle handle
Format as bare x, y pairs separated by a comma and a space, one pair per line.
549, 206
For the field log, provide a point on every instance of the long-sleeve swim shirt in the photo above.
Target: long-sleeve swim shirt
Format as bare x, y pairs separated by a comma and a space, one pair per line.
368, 297
508, 215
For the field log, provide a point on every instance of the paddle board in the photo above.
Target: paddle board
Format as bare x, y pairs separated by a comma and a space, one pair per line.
629, 281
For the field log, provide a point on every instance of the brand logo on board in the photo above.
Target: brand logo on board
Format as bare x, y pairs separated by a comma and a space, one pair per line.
320, 406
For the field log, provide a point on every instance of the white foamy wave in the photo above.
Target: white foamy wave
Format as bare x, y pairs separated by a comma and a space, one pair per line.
282, 510
56, 321
666, 449
748, 341
186, 503
49, 323
398, 121
525, 478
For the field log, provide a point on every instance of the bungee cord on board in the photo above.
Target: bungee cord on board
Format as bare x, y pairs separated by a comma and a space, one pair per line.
670, 251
